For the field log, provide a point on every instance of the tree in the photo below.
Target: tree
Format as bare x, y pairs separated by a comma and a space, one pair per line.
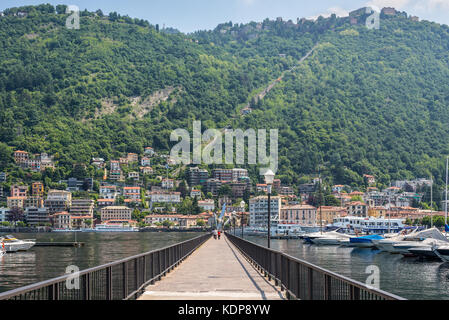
225, 190
167, 223
61, 9
332, 201
200, 222
16, 214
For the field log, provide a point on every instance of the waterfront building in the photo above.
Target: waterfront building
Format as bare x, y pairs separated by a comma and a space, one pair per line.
15, 202
20, 156
115, 172
37, 216
108, 192
357, 209
377, 211
61, 220
261, 187
258, 210
224, 200
197, 176
115, 213
132, 157
286, 191
167, 183
3, 176
105, 202
19, 191
149, 151
238, 173
207, 204
212, 186
369, 179
165, 196
145, 162
133, 175
4, 212
58, 201
37, 189
98, 162
82, 207
238, 189
298, 214
146, 170
73, 184
195, 193
131, 194
34, 201
222, 174
329, 213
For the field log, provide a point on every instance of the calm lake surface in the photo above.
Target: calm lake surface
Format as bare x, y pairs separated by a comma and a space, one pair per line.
406, 277
42, 263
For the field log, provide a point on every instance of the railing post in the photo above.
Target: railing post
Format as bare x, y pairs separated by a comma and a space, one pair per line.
327, 287
354, 293
125, 279
136, 271
53, 292
87, 286
144, 271
310, 282
109, 283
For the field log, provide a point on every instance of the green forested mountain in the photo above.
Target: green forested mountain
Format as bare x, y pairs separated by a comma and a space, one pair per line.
365, 101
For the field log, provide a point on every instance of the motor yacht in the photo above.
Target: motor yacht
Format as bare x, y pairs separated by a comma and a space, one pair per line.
13, 244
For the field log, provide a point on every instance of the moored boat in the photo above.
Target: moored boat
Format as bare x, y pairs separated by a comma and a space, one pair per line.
365, 241
12, 244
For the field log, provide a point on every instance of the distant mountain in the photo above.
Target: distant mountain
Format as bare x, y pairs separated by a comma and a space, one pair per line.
364, 102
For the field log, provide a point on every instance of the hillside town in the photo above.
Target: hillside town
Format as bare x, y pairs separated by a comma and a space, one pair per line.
150, 190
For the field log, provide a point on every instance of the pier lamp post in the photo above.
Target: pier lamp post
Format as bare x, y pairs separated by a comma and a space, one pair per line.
269, 178
242, 207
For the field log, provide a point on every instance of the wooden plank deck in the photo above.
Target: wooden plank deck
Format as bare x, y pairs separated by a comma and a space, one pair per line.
216, 271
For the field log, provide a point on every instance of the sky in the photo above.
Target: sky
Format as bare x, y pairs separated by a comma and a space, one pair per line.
192, 15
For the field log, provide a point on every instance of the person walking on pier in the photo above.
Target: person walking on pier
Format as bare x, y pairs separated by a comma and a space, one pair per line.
215, 234
219, 233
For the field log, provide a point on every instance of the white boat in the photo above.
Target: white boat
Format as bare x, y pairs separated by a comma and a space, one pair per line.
370, 225
403, 240
410, 248
287, 230
111, 228
13, 244
419, 239
2, 250
330, 238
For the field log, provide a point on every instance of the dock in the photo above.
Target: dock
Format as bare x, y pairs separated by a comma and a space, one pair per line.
215, 271
59, 244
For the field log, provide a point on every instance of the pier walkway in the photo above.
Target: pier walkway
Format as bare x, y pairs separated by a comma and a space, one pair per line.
215, 271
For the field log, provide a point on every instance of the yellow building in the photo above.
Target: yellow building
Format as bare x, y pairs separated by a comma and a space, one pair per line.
328, 213
377, 212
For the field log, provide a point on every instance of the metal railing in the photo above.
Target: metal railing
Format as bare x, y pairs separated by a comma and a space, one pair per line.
119, 280
303, 280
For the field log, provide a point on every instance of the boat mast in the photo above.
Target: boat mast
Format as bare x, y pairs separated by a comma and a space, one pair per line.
321, 218
445, 202
431, 202
389, 212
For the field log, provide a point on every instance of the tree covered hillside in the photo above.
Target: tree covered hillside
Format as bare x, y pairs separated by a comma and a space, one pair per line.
364, 102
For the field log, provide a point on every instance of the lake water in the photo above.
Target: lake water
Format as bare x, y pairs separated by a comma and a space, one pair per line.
42, 263
406, 277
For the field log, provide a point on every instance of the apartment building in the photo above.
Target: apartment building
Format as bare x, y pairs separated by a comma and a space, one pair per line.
115, 213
